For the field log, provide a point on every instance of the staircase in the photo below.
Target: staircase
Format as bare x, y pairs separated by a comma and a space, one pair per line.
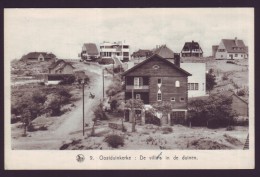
246, 146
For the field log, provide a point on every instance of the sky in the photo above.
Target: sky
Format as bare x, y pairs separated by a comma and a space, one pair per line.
64, 31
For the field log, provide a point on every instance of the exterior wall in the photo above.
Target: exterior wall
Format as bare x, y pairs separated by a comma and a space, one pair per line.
40, 58
221, 55
239, 106
198, 71
164, 70
108, 51
144, 96
66, 70
239, 56
169, 90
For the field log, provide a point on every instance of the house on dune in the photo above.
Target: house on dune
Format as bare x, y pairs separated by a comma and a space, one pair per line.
156, 79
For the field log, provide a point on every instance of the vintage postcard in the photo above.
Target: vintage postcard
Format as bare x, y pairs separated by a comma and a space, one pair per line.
140, 88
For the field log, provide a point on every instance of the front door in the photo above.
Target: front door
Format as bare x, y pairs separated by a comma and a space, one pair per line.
177, 117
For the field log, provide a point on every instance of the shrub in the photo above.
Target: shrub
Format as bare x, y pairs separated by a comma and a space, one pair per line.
106, 61
231, 62
230, 128
217, 123
15, 118
31, 128
100, 113
225, 77
167, 130
113, 105
114, 141
214, 112
151, 119
118, 69
241, 92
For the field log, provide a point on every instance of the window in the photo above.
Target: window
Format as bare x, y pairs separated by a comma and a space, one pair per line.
156, 67
172, 98
241, 55
177, 83
159, 81
193, 86
138, 96
138, 81
125, 46
182, 99
235, 55
196, 86
125, 53
159, 97
221, 50
230, 55
221, 56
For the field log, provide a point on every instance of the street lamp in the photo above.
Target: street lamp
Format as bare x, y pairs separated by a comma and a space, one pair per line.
83, 120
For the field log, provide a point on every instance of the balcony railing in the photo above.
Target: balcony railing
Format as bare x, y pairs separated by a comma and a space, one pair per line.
136, 87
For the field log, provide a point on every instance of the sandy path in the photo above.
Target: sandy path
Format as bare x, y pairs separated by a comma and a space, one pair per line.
72, 123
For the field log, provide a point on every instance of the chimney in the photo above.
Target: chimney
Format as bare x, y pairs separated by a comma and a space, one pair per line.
177, 59
236, 41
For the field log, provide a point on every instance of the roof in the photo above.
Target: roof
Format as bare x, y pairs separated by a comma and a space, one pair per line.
230, 44
191, 46
61, 64
230, 93
35, 55
91, 48
214, 47
164, 52
142, 53
160, 58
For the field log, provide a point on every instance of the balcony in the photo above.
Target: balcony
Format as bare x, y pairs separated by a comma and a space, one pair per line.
141, 88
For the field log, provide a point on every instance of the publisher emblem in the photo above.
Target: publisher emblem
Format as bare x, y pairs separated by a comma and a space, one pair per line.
80, 158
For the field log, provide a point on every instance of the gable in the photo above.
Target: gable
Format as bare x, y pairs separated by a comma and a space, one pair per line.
156, 66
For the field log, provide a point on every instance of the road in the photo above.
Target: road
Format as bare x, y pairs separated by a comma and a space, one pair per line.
72, 124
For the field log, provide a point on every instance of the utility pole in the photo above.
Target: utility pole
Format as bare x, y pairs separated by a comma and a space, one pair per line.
103, 84
132, 110
83, 85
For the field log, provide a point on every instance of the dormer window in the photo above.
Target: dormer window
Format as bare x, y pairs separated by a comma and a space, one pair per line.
177, 83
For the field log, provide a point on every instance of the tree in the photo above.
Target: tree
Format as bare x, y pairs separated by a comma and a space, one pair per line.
216, 107
134, 104
210, 81
113, 105
26, 118
163, 107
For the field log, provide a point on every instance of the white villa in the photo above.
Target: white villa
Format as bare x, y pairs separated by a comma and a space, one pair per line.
196, 82
120, 50
230, 49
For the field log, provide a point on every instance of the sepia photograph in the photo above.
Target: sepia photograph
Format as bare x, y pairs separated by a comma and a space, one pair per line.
162, 79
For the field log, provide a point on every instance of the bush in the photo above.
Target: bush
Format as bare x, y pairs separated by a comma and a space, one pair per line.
67, 80
224, 77
118, 69
231, 62
230, 128
217, 123
214, 112
113, 105
105, 61
15, 118
100, 113
31, 128
241, 92
151, 119
167, 130
114, 141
